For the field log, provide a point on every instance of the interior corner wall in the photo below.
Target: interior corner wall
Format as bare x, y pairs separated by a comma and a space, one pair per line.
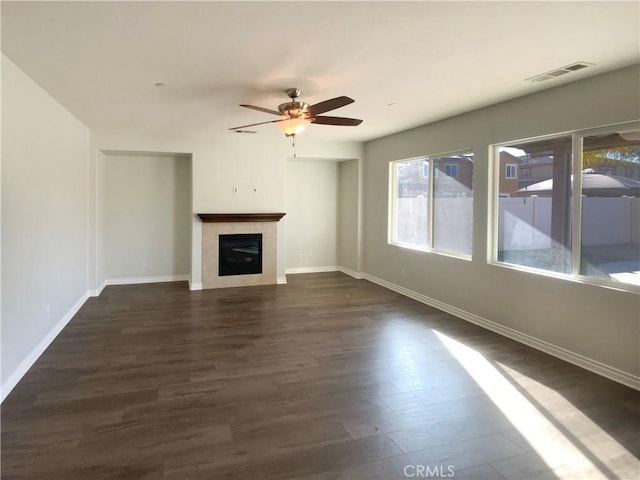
599, 324
147, 217
348, 214
98, 218
311, 221
45, 218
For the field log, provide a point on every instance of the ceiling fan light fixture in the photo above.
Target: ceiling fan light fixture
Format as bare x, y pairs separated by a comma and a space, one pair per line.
293, 126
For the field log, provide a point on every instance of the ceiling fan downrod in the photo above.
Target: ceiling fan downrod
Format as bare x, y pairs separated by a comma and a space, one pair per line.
292, 93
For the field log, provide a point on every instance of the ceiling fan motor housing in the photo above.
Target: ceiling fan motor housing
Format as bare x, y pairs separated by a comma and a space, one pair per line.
293, 109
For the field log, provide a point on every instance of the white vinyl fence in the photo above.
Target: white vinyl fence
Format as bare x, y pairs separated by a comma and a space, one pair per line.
525, 223
452, 223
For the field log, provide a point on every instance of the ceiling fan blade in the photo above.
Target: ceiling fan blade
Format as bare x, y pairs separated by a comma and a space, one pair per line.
341, 121
327, 105
254, 124
260, 109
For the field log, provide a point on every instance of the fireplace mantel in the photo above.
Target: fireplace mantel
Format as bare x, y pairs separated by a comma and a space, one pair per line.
240, 217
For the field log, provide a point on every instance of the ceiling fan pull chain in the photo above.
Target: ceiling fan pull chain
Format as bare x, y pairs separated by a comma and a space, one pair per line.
293, 144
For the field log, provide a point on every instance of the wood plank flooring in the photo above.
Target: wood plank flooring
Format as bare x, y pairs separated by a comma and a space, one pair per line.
324, 378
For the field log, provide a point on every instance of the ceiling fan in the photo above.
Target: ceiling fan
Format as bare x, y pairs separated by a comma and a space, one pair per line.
296, 116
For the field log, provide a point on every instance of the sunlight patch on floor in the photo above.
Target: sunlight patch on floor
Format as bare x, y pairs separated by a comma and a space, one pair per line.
594, 439
566, 457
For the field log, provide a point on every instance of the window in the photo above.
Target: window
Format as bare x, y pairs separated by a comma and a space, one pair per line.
587, 228
453, 205
431, 211
526, 172
533, 222
409, 202
511, 171
610, 221
424, 169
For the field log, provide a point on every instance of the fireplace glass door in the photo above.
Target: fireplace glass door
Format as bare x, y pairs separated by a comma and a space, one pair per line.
240, 254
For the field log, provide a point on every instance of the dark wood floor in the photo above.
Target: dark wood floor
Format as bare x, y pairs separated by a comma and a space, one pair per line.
324, 378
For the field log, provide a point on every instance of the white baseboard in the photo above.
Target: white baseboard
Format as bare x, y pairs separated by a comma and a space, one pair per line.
158, 279
330, 268
195, 286
293, 271
30, 359
135, 280
281, 280
351, 273
96, 293
594, 366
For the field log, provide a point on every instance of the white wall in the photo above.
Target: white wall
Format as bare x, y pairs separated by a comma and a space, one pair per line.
223, 160
147, 217
348, 214
599, 323
98, 164
311, 223
45, 220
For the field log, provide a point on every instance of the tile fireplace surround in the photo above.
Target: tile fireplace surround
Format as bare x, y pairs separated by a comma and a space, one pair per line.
216, 224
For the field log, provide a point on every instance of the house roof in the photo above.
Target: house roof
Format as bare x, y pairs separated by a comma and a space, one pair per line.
593, 185
405, 63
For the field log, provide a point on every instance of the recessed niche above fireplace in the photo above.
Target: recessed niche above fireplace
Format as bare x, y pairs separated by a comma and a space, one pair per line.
239, 254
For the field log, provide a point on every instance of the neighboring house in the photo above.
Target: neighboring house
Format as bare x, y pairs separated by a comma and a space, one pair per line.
534, 170
453, 177
412, 178
509, 174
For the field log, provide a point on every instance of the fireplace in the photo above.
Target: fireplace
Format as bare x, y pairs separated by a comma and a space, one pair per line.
239, 254
256, 247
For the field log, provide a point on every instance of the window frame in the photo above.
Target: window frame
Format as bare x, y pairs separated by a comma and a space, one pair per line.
393, 192
577, 137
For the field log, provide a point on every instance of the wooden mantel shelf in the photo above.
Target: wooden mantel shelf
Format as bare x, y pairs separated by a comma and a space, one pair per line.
240, 217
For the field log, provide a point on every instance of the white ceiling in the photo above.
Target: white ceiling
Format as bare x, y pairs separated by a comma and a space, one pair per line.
431, 60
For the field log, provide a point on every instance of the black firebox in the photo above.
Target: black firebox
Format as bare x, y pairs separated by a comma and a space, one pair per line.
240, 254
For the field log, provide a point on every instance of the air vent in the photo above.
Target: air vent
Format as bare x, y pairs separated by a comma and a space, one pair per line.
559, 72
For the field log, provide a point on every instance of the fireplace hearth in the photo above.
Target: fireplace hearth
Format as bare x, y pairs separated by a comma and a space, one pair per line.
240, 254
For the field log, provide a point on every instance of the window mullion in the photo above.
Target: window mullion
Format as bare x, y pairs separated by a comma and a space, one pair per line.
392, 203
576, 206
430, 210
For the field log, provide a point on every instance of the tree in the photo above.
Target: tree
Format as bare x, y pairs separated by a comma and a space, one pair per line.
616, 156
